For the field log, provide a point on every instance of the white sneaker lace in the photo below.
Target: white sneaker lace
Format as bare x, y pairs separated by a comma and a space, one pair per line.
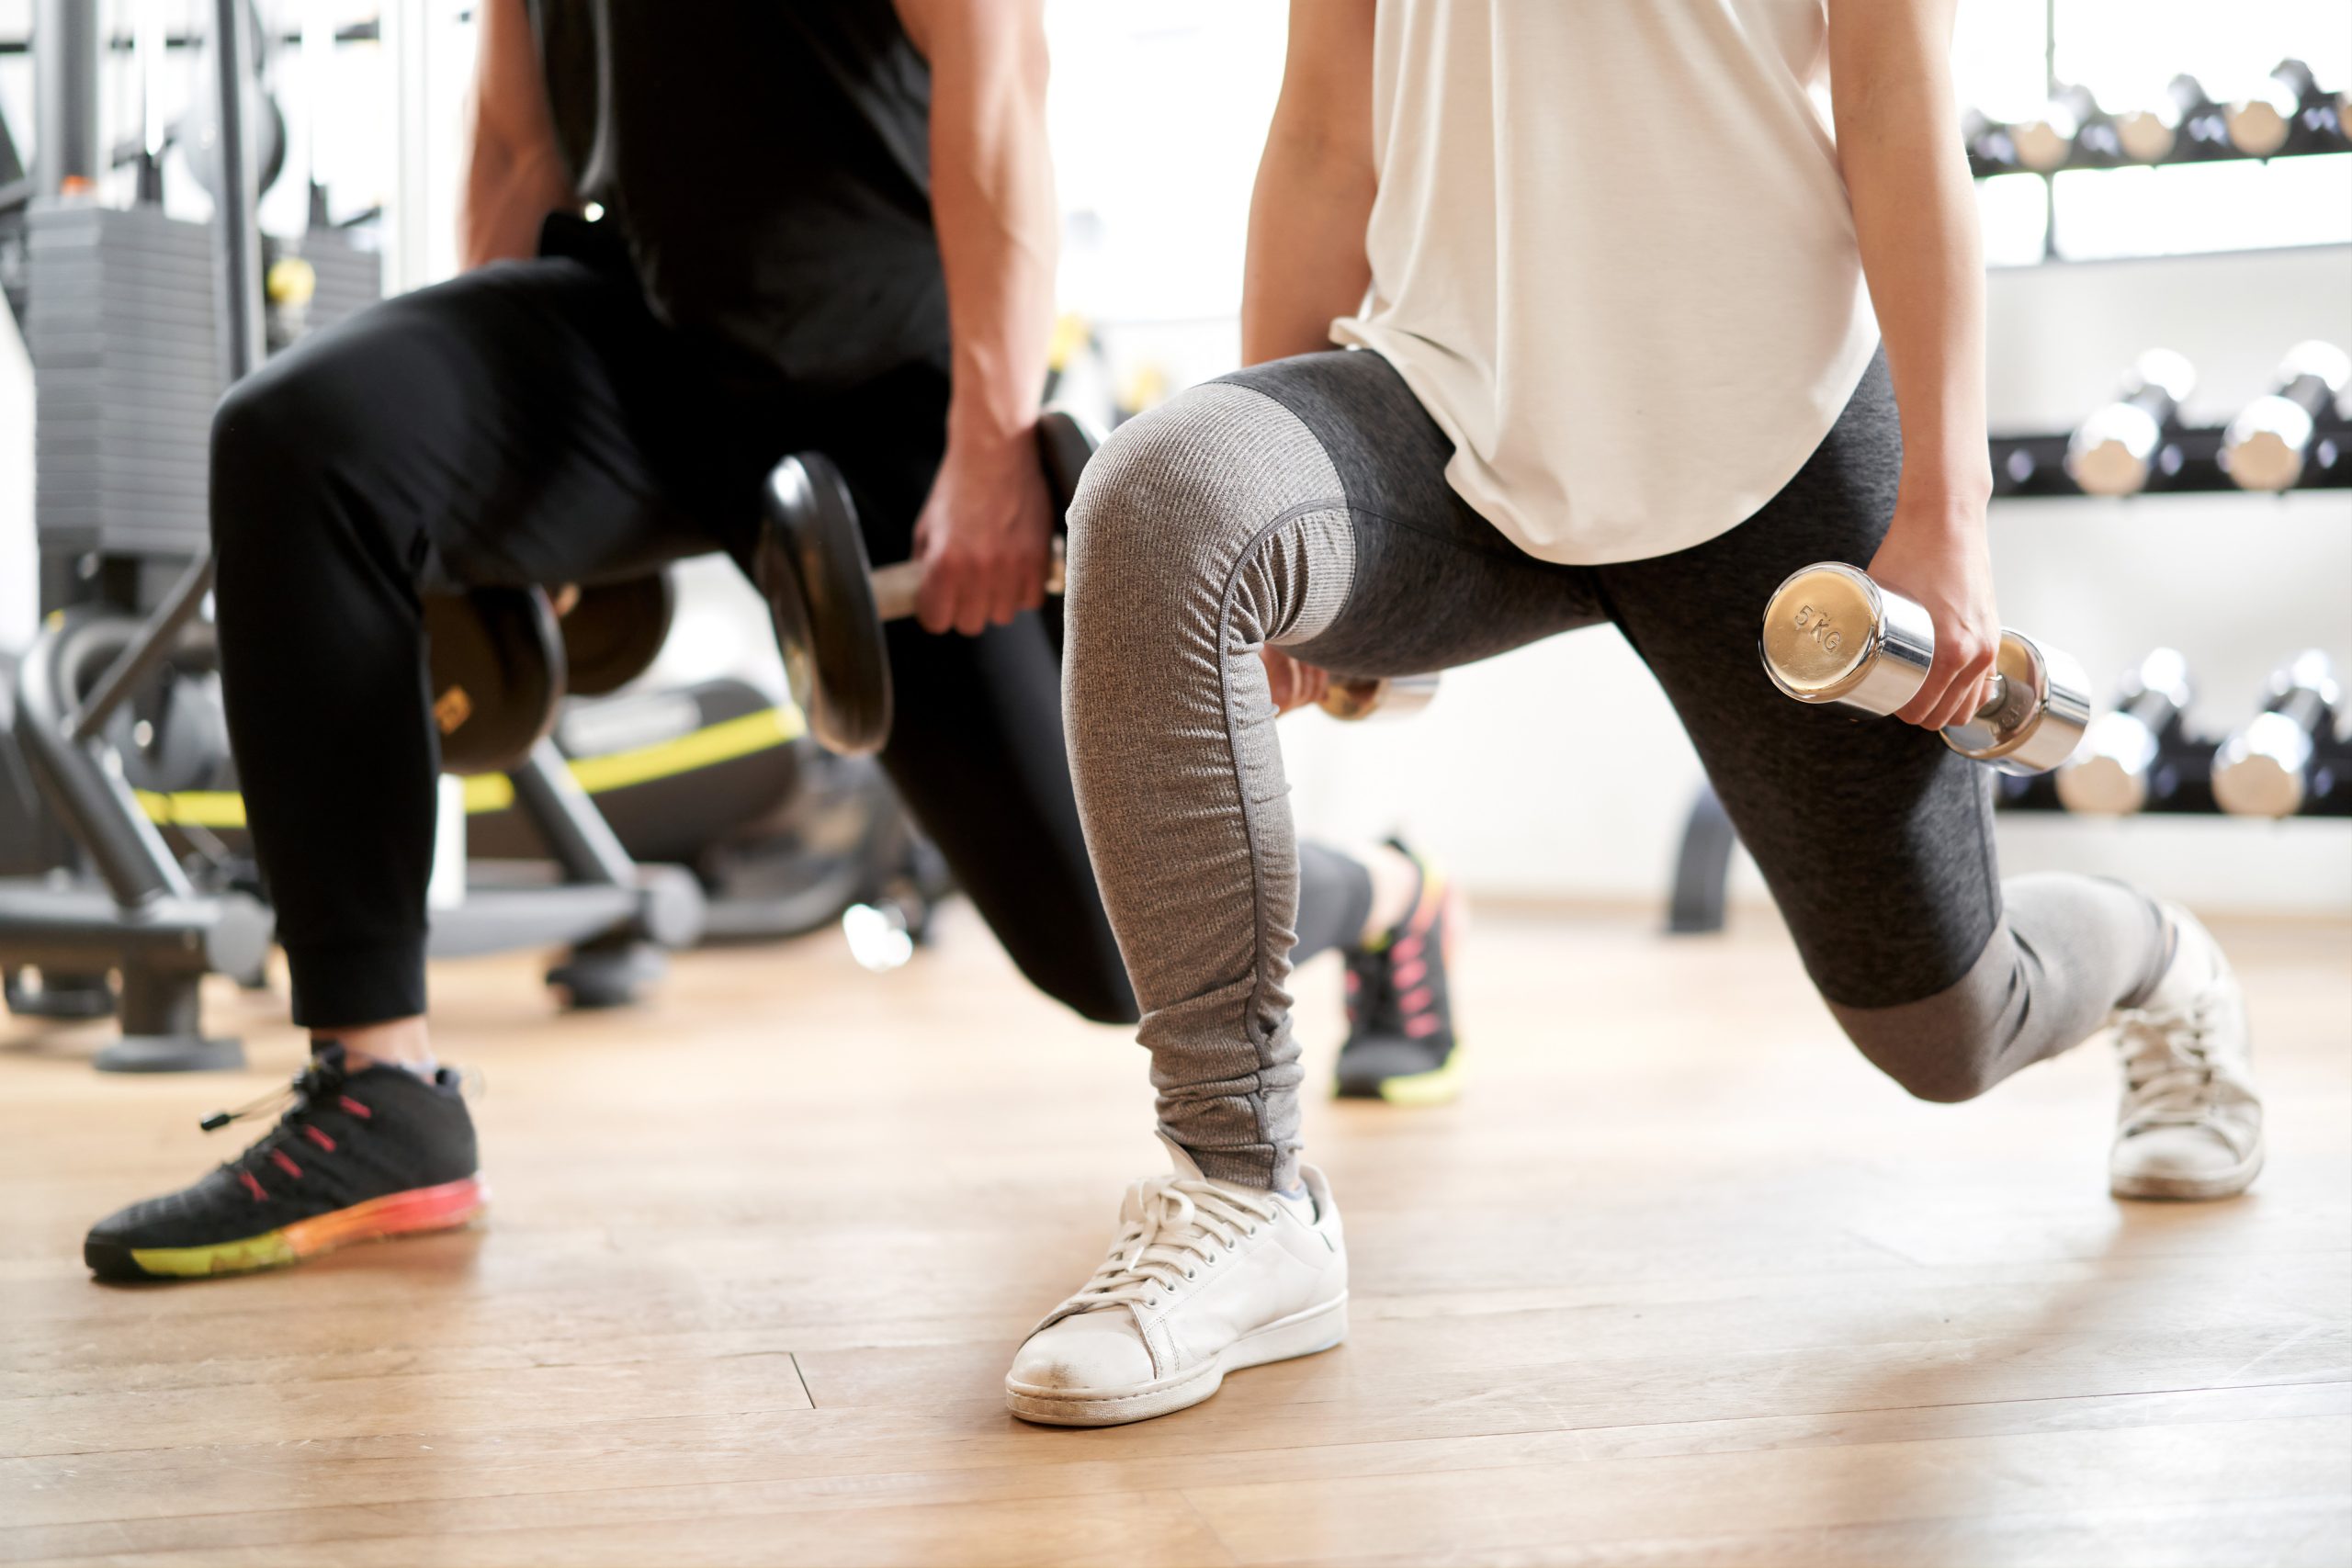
2169, 1075
1186, 1224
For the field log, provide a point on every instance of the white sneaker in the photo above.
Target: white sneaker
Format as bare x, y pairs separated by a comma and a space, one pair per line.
2190, 1124
1206, 1278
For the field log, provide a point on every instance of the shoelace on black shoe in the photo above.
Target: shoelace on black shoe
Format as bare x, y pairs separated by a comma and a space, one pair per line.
316, 1086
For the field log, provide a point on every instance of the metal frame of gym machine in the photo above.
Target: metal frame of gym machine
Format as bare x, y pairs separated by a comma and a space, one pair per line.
142, 916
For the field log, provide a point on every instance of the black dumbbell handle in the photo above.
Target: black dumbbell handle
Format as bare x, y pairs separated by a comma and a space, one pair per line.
898, 587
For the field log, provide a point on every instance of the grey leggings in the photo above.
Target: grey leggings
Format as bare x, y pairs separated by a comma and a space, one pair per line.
1303, 504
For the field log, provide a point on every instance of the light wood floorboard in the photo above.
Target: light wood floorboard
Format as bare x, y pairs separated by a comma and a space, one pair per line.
1680, 1281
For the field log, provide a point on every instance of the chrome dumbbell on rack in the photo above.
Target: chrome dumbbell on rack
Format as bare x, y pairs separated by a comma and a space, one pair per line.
2267, 769
1831, 635
2121, 768
2269, 443
2121, 446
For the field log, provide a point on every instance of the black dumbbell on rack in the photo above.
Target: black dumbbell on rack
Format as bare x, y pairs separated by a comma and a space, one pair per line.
2285, 761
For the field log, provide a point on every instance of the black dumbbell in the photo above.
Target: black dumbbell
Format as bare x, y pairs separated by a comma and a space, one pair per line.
613, 631
1831, 635
500, 661
2116, 773
2267, 446
497, 675
828, 605
1991, 143
2264, 770
2115, 450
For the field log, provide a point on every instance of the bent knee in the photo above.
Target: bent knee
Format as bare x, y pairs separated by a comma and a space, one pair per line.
1947, 1048
1178, 496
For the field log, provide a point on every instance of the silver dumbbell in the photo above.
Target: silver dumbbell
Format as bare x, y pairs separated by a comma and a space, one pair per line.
2110, 775
2114, 451
1833, 636
2265, 446
2264, 770
2260, 123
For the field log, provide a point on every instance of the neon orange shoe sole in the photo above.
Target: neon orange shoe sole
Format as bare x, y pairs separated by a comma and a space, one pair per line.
418, 1211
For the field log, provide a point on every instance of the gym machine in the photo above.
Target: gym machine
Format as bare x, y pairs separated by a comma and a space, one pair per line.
136, 323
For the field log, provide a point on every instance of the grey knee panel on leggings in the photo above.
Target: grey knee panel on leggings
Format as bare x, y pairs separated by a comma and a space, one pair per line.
1208, 526
2014, 1007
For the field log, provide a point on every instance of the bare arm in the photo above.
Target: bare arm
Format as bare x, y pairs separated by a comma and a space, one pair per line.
514, 176
1315, 182
1915, 212
984, 532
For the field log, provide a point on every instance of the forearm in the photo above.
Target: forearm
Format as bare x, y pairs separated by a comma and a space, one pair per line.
507, 195
1306, 264
1915, 216
514, 176
992, 199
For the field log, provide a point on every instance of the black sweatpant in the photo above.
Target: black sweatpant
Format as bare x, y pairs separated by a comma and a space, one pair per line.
534, 423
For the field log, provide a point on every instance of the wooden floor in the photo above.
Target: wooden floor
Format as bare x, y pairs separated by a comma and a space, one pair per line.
1680, 1282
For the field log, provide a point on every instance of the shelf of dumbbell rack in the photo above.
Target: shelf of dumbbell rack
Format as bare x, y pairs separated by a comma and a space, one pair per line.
2182, 785
2190, 463
1983, 169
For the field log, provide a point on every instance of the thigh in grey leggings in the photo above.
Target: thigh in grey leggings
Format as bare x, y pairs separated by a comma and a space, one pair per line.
1303, 504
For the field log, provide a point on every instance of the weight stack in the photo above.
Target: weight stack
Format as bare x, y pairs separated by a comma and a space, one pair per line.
126, 372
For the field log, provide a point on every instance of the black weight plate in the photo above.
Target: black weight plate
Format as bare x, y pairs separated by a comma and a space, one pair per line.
613, 633
811, 564
497, 668
1065, 443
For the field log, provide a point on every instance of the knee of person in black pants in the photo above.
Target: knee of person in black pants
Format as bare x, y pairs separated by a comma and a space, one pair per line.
1097, 997
274, 444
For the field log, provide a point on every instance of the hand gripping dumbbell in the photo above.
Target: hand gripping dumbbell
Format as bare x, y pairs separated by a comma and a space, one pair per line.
2267, 447
1831, 635
828, 604
2265, 769
2117, 772
2115, 450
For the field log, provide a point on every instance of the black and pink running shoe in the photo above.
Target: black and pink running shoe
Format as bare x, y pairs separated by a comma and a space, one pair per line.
357, 1157
1401, 1044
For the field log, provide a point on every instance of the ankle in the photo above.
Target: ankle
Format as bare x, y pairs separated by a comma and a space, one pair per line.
1396, 888
400, 1042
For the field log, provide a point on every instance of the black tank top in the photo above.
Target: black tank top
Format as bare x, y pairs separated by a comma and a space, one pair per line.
769, 163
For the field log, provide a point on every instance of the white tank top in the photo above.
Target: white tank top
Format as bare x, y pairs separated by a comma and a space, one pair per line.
1611, 254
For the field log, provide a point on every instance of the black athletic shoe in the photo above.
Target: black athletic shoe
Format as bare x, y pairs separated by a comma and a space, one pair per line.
1401, 1045
355, 1158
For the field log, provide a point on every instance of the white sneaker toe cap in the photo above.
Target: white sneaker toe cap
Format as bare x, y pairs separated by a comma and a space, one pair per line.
1090, 1350
2180, 1162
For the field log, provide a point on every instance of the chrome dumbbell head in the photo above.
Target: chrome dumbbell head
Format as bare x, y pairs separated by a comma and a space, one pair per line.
2109, 774
1833, 636
2260, 123
2114, 451
2266, 446
2264, 770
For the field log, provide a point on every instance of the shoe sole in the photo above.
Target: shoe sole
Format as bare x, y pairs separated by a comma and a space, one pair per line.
1302, 1334
2191, 1190
418, 1211
1439, 1086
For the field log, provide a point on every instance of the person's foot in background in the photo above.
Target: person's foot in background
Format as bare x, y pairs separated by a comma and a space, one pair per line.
1401, 1045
